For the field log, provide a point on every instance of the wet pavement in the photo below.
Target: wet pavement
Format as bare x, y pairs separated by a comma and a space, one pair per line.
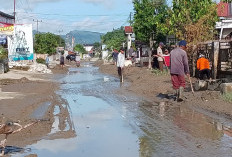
101, 123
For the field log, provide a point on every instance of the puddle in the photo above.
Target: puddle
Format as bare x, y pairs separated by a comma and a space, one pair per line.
101, 124
41, 110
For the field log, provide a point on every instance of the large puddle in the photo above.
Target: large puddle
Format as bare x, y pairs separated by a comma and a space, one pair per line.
103, 124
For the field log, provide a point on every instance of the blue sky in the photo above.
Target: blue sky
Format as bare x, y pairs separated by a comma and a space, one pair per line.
67, 15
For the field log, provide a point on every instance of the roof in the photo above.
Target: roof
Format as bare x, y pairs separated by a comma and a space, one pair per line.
128, 29
6, 15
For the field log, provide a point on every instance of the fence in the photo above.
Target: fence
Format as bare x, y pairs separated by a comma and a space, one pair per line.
220, 57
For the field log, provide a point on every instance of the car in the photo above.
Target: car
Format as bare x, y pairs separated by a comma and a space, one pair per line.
71, 57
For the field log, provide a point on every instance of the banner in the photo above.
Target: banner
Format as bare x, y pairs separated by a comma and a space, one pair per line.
3, 40
6, 30
20, 44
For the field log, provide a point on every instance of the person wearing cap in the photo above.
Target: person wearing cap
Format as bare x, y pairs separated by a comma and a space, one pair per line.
121, 64
160, 56
179, 68
203, 67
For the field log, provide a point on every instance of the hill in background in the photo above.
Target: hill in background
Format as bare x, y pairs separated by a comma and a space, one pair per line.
83, 37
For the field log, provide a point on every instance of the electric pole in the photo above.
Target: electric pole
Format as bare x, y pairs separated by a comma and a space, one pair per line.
14, 11
37, 21
130, 18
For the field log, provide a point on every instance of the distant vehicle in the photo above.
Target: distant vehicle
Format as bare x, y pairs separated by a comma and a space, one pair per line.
71, 57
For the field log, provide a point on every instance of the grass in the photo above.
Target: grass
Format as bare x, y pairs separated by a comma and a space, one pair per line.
157, 72
228, 97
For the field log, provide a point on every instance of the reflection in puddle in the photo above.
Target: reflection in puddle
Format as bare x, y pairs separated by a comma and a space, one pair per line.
41, 110
176, 130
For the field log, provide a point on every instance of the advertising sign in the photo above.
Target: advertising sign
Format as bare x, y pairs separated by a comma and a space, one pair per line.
6, 30
3, 40
20, 44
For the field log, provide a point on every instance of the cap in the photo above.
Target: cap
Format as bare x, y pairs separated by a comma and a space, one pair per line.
201, 55
161, 43
182, 43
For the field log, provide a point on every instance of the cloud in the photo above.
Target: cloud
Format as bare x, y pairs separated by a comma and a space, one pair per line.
106, 3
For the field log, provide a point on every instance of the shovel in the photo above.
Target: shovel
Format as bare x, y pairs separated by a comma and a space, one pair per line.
190, 81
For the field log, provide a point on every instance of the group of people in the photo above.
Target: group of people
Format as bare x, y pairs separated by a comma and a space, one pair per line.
177, 61
161, 59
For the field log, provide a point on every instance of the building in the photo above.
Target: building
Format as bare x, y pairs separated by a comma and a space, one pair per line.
6, 19
224, 26
88, 47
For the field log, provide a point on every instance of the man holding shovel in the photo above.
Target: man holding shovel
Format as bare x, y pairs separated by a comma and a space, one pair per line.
179, 68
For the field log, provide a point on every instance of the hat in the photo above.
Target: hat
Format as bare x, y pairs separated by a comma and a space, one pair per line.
201, 55
161, 44
182, 43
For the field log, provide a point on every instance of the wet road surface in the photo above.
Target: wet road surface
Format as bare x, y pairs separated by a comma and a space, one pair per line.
101, 123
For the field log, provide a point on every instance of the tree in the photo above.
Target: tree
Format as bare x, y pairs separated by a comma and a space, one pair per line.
97, 47
193, 20
114, 39
150, 18
47, 43
80, 48
3, 53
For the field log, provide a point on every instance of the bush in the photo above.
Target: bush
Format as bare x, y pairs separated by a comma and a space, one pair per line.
228, 97
41, 60
157, 72
3, 53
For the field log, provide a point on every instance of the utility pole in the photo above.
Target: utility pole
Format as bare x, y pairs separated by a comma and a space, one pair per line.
14, 11
130, 18
37, 21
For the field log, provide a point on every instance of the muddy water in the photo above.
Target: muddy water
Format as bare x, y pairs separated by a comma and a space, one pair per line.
101, 123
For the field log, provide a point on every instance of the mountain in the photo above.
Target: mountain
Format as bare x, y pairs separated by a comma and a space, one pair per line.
83, 37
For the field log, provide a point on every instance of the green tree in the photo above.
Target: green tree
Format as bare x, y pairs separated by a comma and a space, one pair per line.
114, 39
150, 18
193, 20
3, 53
97, 47
80, 48
47, 43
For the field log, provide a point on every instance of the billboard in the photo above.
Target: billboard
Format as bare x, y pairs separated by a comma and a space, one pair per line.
6, 29
20, 44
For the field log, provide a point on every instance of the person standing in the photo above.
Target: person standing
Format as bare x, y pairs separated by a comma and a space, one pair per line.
179, 68
203, 67
62, 61
160, 56
121, 64
131, 51
166, 58
115, 56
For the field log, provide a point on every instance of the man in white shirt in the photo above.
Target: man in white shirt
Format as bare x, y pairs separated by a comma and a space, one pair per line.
160, 56
121, 64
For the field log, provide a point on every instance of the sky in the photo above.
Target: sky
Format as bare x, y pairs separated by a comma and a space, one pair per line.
63, 16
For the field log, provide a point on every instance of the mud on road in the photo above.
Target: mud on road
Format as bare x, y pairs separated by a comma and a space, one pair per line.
158, 88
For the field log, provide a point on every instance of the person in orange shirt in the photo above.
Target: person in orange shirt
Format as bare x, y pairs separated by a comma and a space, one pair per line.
203, 67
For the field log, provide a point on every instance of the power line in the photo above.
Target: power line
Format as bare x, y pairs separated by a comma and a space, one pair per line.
74, 14
37, 21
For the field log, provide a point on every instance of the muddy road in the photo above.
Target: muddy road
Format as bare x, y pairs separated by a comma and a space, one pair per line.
95, 121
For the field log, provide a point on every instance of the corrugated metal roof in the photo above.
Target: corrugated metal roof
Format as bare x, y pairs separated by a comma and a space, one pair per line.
6, 15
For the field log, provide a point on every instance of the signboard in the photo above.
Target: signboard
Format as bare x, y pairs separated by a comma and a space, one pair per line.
3, 39
6, 30
20, 44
